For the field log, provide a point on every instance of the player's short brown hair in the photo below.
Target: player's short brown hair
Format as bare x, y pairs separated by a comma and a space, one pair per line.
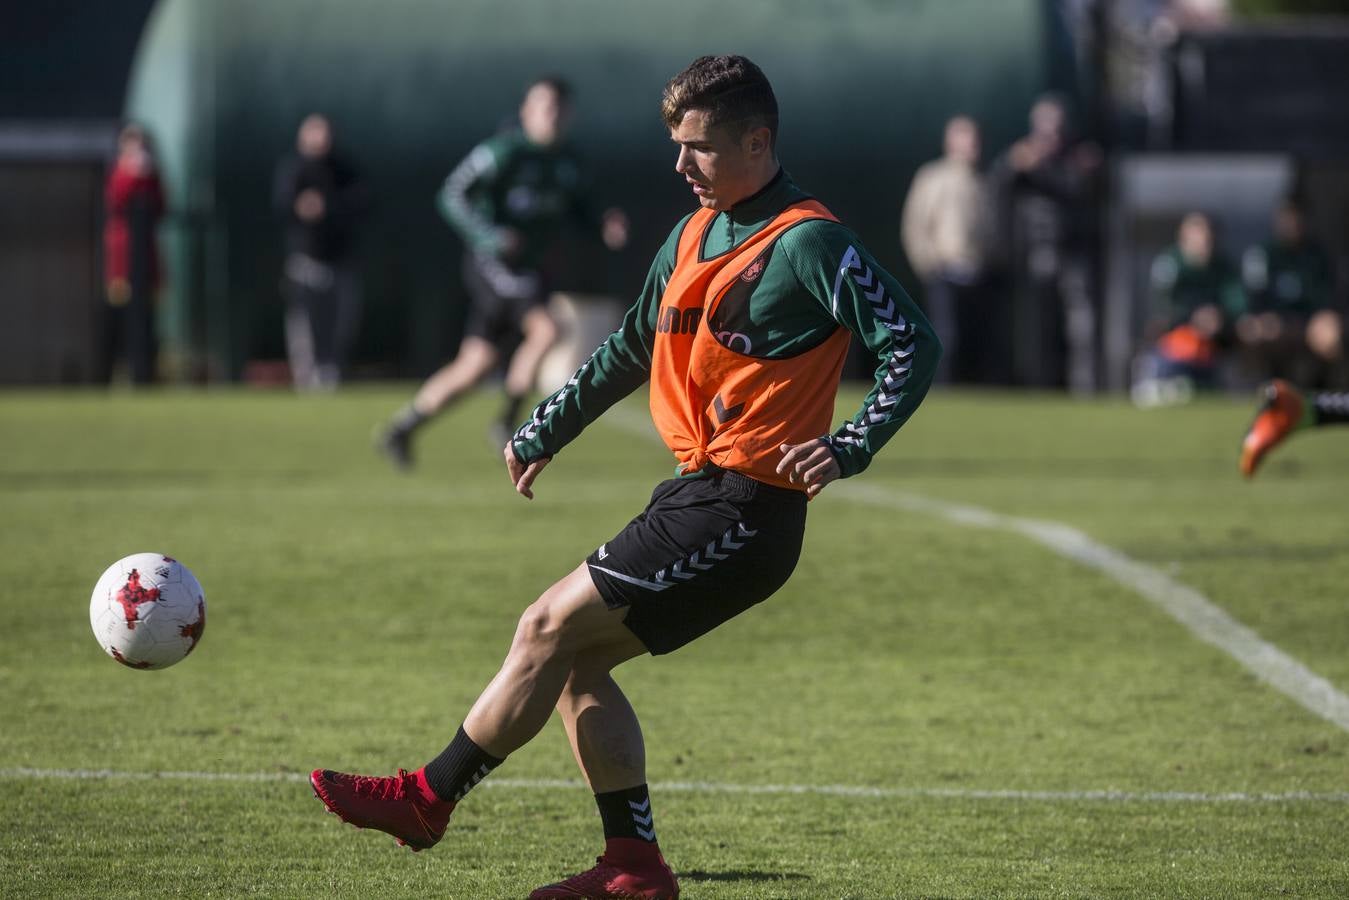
560, 87
731, 89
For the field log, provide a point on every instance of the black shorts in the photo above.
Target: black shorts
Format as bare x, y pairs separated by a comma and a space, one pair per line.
499, 298
703, 551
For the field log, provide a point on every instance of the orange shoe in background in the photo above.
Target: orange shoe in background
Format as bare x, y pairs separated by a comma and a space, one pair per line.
1279, 416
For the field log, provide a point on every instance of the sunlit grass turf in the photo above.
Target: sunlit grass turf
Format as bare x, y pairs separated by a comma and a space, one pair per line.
354, 613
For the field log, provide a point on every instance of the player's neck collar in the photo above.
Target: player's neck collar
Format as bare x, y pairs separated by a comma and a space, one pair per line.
753, 207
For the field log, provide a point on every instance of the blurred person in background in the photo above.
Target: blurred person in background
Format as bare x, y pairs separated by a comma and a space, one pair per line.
322, 201
1046, 183
945, 229
1291, 328
509, 200
134, 201
1285, 410
1196, 298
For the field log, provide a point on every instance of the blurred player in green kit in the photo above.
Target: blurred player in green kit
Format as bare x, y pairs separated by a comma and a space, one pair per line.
510, 200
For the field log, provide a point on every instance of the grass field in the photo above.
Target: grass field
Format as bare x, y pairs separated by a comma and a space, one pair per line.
1017, 724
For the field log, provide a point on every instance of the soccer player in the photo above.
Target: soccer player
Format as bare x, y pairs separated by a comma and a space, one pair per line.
1283, 411
741, 329
1196, 296
509, 200
1291, 327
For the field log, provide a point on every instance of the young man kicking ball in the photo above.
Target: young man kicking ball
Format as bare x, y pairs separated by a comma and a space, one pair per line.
741, 329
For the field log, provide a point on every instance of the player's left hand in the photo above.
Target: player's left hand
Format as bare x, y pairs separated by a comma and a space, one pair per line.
521, 475
812, 464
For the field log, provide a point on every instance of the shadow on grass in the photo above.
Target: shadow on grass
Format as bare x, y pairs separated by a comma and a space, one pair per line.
741, 875
124, 478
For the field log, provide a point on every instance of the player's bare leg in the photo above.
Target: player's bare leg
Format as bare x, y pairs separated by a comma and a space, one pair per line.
600, 723
607, 742
540, 333
567, 620
475, 359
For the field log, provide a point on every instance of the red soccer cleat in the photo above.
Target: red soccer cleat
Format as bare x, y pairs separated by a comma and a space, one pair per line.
615, 877
397, 805
1280, 414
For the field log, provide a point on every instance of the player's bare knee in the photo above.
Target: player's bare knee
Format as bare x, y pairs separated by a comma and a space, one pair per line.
538, 628
539, 328
549, 624
544, 333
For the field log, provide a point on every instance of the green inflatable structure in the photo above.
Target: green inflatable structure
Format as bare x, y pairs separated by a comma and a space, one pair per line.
411, 85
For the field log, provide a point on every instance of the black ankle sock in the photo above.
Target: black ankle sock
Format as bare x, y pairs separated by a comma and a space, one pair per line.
1330, 408
510, 413
627, 814
407, 419
459, 767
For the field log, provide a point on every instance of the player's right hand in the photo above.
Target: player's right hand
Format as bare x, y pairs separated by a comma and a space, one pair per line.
521, 475
309, 205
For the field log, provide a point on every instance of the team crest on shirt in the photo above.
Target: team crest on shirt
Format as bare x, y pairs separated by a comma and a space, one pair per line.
755, 269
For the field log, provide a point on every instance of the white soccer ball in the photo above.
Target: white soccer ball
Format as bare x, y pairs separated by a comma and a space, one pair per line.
148, 611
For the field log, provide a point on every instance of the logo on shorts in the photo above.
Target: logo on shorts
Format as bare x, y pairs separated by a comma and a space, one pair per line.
603, 552
689, 567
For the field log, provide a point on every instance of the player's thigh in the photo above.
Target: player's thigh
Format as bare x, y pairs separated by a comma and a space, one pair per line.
538, 325
477, 352
572, 615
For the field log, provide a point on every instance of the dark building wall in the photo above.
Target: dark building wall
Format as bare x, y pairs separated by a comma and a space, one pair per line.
49, 271
64, 66
63, 59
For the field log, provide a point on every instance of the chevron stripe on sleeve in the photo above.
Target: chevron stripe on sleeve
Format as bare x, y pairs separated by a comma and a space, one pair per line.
869, 302
453, 199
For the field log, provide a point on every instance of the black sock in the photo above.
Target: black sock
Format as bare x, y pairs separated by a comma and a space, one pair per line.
459, 767
627, 814
407, 419
510, 413
1330, 408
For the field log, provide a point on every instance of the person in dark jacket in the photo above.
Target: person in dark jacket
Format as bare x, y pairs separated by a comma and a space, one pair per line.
1047, 186
322, 201
1292, 328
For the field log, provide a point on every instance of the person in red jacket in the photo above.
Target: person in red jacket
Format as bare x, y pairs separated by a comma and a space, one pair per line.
134, 201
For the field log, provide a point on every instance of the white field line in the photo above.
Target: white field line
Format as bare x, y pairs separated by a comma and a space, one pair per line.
1201, 616
710, 787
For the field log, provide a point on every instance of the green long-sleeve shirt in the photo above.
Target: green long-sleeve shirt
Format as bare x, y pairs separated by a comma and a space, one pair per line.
1180, 287
507, 182
817, 278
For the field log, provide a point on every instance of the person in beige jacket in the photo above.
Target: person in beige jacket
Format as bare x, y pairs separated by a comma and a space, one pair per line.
945, 230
